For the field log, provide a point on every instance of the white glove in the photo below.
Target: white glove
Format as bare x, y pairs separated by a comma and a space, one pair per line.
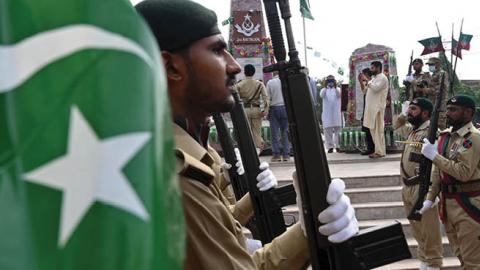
427, 204
339, 218
409, 78
429, 150
226, 166
266, 179
239, 164
405, 106
252, 245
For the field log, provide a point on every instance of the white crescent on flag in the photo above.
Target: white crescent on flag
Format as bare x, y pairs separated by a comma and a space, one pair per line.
20, 61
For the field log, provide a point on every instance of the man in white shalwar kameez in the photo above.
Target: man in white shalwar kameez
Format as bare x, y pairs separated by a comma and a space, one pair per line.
331, 113
376, 101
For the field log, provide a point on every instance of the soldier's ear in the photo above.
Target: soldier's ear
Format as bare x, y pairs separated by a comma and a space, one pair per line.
175, 66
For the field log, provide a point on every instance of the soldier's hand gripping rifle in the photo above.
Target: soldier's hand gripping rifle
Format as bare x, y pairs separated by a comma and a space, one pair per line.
238, 182
408, 85
267, 205
370, 248
425, 170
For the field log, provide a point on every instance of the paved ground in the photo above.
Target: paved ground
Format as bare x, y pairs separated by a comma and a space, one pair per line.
341, 158
345, 165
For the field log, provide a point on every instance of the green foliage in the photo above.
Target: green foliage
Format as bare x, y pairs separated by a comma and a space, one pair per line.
463, 89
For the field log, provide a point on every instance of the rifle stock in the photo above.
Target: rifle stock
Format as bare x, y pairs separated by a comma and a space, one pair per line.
425, 169
378, 246
269, 220
238, 182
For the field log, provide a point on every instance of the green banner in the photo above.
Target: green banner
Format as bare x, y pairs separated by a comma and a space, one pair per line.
86, 149
305, 9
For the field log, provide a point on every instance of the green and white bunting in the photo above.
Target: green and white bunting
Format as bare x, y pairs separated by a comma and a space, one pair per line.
86, 150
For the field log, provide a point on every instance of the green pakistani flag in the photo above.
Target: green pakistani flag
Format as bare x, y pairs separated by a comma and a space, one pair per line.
86, 150
305, 9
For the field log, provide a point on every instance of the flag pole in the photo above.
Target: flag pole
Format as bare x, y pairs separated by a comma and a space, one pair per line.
452, 74
305, 41
451, 51
456, 58
449, 65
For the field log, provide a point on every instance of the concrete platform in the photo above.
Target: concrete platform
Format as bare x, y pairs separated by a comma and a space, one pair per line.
339, 158
451, 263
349, 170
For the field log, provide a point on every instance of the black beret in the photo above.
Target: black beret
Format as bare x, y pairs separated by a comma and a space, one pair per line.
178, 23
423, 103
462, 100
418, 60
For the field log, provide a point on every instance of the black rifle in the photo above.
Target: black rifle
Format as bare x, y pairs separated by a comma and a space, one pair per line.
370, 248
408, 85
267, 205
238, 182
425, 170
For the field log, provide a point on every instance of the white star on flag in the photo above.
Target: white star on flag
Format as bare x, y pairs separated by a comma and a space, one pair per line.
90, 171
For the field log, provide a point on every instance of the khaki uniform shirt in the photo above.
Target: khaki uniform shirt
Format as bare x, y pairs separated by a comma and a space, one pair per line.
417, 79
242, 210
402, 127
214, 236
434, 88
253, 93
462, 161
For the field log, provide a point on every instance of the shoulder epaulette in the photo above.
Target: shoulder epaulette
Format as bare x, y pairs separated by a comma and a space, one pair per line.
194, 169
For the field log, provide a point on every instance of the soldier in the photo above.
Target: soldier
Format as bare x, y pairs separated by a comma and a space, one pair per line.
456, 178
427, 231
201, 75
256, 102
419, 80
435, 67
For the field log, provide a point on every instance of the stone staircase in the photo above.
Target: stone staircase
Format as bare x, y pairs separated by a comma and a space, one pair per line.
375, 192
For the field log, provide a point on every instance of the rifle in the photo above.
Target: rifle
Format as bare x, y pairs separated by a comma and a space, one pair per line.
370, 248
267, 205
408, 85
238, 182
425, 170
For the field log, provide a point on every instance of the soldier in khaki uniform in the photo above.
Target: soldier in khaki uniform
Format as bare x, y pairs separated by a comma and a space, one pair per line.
456, 178
419, 80
201, 75
427, 231
430, 92
255, 100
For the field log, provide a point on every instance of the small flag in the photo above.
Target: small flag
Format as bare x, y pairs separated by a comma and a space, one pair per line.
227, 21
432, 45
464, 41
456, 50
317, 54
305, 9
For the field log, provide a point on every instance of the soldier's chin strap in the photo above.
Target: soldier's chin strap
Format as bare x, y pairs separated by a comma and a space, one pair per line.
198, 131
